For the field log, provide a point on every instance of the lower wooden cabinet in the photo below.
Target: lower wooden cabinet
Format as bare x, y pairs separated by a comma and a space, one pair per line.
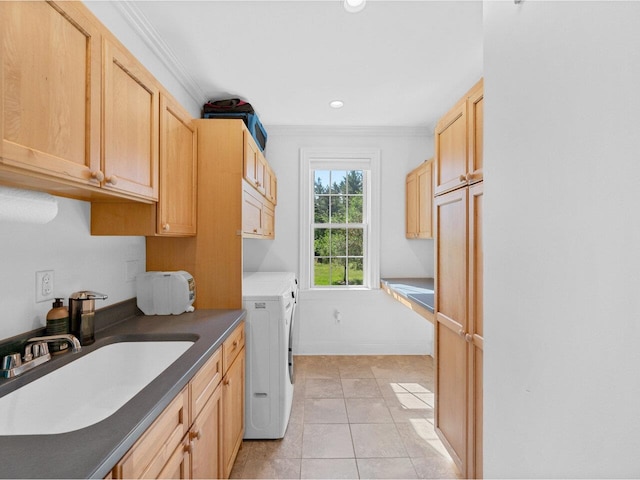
459, 337
152, 452
233, 411
199, 434
205, 439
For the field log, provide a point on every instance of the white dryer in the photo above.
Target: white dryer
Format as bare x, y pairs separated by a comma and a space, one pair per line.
270, 301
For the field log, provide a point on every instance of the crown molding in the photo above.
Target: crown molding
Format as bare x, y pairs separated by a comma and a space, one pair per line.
149, 35
348, 131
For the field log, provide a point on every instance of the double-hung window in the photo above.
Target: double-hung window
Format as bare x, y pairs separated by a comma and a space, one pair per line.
339, 218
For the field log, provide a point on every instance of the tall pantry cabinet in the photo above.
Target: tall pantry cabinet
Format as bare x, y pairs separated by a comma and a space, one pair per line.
458, 209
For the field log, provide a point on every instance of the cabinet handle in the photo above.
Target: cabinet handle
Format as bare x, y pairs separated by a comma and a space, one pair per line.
112, 180
166, 227
468, 337
463, 178
97, 176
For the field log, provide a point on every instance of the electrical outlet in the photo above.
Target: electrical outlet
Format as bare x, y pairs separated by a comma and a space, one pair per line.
44, 285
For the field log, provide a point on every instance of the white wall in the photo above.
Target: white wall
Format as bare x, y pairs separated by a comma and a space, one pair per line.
371, 321
80, 262
562, 239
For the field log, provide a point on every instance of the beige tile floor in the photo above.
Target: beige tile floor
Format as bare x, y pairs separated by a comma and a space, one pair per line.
355, 417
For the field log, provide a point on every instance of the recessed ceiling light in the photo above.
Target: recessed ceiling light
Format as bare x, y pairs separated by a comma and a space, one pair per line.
337, 104
354, 6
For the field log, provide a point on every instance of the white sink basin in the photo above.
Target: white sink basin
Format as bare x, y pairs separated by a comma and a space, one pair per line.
86, 390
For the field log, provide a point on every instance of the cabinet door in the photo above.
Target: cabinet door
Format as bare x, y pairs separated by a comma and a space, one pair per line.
206, 436
233, 411
131, 125
475, 108
424, 200
476, 329
179, 464
178, 164
268, 221
451, 149
451, 348
411, 205
251, 159
50, 98
251, 213
154, 449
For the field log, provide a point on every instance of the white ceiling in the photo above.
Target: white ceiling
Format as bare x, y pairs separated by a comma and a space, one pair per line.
396, 63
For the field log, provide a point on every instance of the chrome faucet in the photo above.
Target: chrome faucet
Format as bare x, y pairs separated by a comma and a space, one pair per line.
70, 339
36, 352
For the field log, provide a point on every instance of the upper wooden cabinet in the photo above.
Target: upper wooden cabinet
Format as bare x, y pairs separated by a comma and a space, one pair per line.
79, 113
458, 143
419, 201
50, 97
175, 212
131, 99
178, 170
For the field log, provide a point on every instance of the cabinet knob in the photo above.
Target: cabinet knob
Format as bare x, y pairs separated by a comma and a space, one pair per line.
97, 176
235, 343
188, 448
461, 332
468, 337
463, 178
112, 180
469, 177
166, 227
255, 230
258, 184
195, 435
226, 381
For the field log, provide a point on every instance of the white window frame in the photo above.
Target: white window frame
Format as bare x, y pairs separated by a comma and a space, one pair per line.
312, 159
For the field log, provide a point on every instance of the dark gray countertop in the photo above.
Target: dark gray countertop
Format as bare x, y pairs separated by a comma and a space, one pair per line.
420, 290
93, 451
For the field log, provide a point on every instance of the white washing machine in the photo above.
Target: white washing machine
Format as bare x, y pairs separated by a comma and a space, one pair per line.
270, 301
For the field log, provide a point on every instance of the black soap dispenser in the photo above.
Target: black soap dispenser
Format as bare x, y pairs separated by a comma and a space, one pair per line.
58, 323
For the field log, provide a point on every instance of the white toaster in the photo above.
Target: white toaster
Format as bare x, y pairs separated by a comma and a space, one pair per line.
165, 293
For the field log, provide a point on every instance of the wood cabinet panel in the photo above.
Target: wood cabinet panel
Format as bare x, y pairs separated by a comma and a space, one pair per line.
179, 464
451, 386
150, 454
50, 105
451, 149
232, 347
251, 213
178, 170
411, 205
419, 201
175, 213
475, 109
476, 329
205, 382
459, 342
233, 411
268, 221
130, 124
206, 439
